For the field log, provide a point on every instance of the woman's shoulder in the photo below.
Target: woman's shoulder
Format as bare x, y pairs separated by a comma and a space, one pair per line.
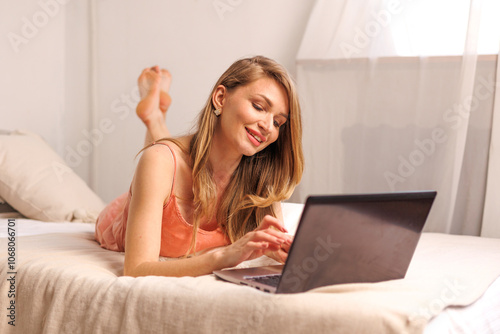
153, 177
178, 146
157, 157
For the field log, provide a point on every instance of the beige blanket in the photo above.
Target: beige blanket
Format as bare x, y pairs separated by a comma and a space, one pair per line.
65, 283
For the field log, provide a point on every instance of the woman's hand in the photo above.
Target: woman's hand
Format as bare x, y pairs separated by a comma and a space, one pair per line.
281, 254
269, 238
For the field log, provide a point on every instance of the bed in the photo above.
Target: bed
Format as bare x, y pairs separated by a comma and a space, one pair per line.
59, 280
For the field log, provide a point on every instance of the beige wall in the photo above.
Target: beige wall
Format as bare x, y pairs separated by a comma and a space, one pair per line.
45, 85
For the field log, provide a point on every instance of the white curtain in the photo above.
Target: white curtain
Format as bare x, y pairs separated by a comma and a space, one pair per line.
400, 95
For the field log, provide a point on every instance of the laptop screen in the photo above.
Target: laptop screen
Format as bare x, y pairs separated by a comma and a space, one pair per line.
355, 238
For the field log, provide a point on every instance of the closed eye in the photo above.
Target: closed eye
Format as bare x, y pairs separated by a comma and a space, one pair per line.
257, 107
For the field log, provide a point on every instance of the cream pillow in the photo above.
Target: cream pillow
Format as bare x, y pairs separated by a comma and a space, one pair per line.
36, 181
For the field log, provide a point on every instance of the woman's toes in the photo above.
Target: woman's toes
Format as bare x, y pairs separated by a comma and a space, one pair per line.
166, 79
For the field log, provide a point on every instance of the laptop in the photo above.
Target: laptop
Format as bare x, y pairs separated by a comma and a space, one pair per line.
340, 239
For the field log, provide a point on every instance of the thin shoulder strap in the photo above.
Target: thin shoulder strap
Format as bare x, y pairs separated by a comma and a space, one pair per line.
175, 163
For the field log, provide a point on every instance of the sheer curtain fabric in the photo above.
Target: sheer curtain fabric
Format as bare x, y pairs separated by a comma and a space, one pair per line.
396, 96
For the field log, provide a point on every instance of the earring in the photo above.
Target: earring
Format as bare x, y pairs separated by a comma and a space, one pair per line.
217, 112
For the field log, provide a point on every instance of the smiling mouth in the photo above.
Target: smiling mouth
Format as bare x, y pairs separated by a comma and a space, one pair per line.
254, 136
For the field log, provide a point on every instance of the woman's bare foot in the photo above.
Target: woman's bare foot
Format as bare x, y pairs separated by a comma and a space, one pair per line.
148, 77
153, 87
165, 99
148, 109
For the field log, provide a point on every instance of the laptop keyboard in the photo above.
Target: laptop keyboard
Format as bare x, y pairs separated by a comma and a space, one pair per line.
271, 280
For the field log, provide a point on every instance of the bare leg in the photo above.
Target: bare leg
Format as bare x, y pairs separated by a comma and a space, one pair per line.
155, 100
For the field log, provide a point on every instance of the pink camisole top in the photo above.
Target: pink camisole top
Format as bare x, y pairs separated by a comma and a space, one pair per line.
176, 232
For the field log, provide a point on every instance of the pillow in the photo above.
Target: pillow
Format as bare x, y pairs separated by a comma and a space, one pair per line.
6, 208
37, 182
6, 211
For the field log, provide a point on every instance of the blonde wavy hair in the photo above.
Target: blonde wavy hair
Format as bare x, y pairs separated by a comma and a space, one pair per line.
260, 180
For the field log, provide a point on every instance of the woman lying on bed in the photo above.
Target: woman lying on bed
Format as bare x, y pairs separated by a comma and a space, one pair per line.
221, 186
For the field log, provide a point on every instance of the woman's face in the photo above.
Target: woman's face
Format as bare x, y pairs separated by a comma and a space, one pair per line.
252, 115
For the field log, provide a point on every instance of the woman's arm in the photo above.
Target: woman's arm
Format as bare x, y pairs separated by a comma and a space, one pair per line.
150, 188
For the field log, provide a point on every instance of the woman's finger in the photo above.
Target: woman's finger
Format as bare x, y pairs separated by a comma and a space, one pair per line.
268, 236
270, 221
277, 255
283, 238
286, 247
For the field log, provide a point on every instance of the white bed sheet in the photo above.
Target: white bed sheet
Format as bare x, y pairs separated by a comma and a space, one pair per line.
483, 316
27, 227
